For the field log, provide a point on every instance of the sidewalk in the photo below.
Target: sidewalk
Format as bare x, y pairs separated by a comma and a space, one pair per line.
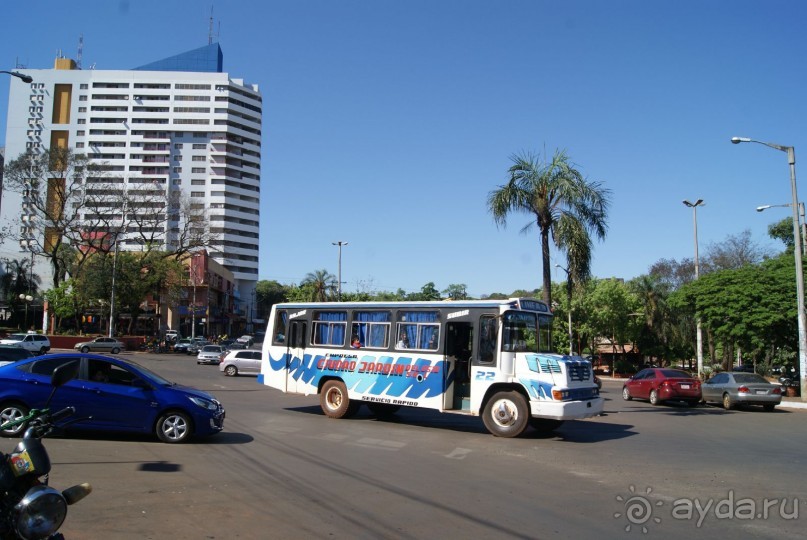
793, 403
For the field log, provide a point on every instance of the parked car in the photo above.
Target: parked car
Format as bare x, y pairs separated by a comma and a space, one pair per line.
101, 344
196, 345
244, 362
732, 389
210, 354
182, 345
110, 394
658, 385
12, 353
226, 343
246, 339
36, 343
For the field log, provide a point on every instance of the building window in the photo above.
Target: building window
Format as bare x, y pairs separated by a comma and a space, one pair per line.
197, 146
197, 193
198, 170
83, 86
199, 135
79, 145
197, 182
177, 170
82, 109
79, 133
178, 157
82, 98
81, 121
178, 146
199, 158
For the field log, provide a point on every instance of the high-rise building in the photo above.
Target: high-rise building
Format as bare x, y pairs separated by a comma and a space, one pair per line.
180, 128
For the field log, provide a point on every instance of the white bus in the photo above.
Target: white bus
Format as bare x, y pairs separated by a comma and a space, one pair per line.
475, 357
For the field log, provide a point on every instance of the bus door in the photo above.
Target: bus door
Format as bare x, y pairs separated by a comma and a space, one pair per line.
295, 353
458, 352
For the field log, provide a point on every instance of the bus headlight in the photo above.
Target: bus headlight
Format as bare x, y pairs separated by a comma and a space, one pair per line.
40, 513
560, 395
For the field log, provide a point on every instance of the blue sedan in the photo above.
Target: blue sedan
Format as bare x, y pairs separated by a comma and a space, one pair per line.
109, 394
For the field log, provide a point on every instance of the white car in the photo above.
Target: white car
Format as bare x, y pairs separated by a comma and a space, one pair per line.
210, 354
244, 362
36, 343
246, 339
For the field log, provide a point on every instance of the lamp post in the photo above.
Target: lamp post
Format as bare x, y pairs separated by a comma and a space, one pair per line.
339, 276
193, 304
569, 297
791, 160
801, 220
22, 76
698, 331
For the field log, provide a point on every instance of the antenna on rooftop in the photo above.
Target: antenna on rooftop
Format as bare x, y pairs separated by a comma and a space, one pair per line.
80, 50
210, 28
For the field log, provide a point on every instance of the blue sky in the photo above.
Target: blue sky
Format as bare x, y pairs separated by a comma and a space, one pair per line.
387, 123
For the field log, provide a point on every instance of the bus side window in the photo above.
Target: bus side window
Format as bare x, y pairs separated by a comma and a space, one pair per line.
279, 332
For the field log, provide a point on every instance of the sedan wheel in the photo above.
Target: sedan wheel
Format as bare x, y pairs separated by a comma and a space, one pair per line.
728, 403
231, 371
85, 349
174, 427
626, 394
13, 411
115, 350
654, 400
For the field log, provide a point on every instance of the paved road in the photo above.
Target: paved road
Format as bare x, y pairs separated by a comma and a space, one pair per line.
283, 470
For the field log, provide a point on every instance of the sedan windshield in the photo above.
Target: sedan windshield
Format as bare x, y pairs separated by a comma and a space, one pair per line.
16, 337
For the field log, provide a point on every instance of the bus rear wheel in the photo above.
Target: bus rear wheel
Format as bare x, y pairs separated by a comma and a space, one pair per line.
506, 414
334, 401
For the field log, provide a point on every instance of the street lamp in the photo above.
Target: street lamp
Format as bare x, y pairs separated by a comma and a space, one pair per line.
193, 305
22, 76
698, 331
569, 296
27, 298
801, 216
339, 276
791, 160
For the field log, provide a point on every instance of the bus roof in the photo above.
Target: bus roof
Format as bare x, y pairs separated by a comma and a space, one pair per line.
529, 304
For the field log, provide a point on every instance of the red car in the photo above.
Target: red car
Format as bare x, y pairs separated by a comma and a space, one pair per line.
663, 384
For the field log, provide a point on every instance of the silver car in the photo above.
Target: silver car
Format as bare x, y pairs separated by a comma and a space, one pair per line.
210, 354
101, 344
731, 389
241, 362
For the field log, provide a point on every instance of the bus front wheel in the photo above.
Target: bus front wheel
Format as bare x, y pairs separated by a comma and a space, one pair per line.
334, 401
506, 414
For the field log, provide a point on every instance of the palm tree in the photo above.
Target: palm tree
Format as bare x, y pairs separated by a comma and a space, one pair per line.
321, 282
563, 204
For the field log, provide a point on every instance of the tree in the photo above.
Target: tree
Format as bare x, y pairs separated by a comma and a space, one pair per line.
267, 294
321, 284
562, 203
456, 291
79, 207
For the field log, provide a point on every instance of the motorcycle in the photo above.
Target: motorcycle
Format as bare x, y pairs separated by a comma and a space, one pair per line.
29, 508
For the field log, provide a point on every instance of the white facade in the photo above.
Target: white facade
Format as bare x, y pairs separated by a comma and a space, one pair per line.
196, 133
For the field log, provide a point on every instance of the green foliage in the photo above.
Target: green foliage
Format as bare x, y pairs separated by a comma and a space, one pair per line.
561, 203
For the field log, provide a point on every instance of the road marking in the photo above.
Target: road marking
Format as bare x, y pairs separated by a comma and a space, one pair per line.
379, 444
458, 453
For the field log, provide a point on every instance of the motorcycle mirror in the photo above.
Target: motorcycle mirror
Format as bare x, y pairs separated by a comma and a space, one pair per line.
64, 373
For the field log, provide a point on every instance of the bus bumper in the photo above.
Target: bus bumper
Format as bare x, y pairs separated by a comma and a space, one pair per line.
567, 410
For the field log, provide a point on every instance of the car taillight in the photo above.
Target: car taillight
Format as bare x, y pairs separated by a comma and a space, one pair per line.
776, 390
743, 389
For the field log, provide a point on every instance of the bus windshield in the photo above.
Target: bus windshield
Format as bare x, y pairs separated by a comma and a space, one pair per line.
526, 332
